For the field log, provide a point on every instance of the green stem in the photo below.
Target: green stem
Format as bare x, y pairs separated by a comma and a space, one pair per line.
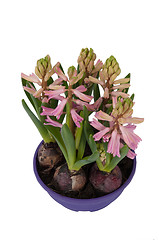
69, 119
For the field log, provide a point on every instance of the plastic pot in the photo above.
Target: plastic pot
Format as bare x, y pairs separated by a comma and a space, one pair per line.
74, 204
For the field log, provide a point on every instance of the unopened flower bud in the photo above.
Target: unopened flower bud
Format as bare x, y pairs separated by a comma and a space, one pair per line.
86, 60
71, 71
90, 54
43, 66
120, 109
110, 71
90, 66
94, 57
38, 73
112, 67
126, 106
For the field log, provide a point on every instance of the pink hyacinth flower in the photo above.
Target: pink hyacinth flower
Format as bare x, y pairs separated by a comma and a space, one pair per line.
54, 112
61, 74
76, 117
131, 154
97, 125
114, 144
103, 116
31, 78
46, 111
54, 94
130, 138
81, 88
82, 96
101, 134
52, 122
102, 129
58, 111
30, 89
80, 104
96, 105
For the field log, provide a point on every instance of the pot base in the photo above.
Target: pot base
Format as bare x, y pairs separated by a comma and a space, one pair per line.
79, 201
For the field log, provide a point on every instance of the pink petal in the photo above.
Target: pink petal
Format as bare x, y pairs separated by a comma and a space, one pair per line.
103, 116
38, 93
95, 80
52, 122
106, 93
59, 109
31, 78
100, 134
81, 103
131, 154
131, 127
134, 120
97, 104
82, 96
98, 66
118, 93
75, 78
46, 111
76, 117
114, 144
121, 87
56, 87
61, 74
130, 138
106, 137
45, 100
29, 90
123, 80
97, 125
57, 82
81, 88
114, 100
54, 93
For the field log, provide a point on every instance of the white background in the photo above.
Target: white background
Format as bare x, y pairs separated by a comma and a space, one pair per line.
32, 29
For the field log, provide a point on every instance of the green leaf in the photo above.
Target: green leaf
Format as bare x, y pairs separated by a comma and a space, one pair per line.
78, 71
37, 104
53, 103
57, 135
69, 144
90, 89
24, 83
42, 130
78, 135
132, 96
89, 136
86, 160
96, 92
115, 160
61, 68
49, 81
81, 148
85, 113
127, 89
92, 143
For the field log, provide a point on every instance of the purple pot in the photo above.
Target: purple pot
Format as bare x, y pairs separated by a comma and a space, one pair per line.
74, 204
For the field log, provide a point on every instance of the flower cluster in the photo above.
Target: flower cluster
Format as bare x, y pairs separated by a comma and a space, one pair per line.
65, 103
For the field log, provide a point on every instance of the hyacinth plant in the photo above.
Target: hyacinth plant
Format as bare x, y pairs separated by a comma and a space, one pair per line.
87, 108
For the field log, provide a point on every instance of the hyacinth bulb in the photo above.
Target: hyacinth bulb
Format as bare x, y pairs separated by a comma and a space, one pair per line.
49, 155
69, 180
105, 182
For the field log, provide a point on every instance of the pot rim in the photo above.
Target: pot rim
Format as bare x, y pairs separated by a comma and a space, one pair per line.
75, 200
